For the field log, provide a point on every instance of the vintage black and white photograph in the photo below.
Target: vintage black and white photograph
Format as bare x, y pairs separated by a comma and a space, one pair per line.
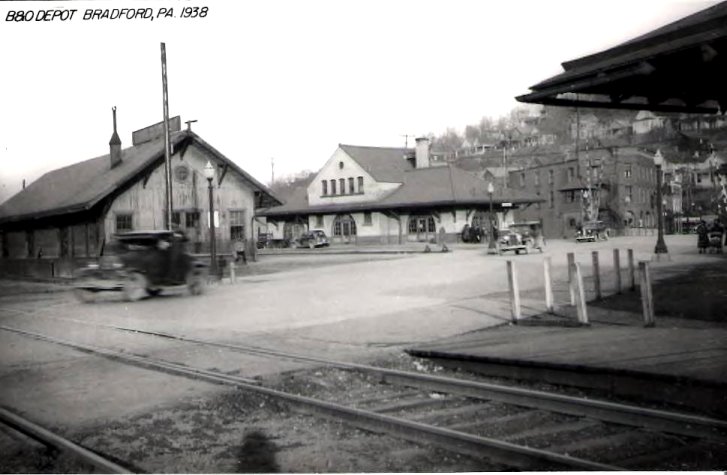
359, 236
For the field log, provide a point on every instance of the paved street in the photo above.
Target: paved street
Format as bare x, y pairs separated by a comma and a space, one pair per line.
344, 307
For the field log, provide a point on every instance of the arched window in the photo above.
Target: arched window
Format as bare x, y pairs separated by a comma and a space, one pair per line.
422, 227
344, 229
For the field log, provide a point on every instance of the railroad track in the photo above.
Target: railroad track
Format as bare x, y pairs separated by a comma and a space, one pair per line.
34, 432
517, 427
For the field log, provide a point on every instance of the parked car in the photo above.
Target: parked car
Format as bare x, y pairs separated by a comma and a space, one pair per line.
592, 232
522, 237
311, 239
142, 263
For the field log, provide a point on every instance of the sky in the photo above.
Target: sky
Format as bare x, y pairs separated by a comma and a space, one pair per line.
286, 81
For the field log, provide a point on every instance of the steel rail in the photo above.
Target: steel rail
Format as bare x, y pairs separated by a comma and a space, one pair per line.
47, 437
635, 416
503, 452
128, 357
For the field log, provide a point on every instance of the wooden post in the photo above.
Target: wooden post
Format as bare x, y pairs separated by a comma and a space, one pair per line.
232, 271
571, 261
617, 269
647, 299
547, 264
577, 289
632, 270
514, 292
596, 275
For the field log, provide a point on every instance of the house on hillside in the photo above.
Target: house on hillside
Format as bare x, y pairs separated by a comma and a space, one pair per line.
71, 213
376, 195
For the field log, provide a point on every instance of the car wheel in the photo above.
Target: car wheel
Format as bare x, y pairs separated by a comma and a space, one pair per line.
84, 295
195, 282
135, 287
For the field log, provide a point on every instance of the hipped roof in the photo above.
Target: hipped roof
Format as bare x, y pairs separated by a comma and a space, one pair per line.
681, 67
83, 185
421, 188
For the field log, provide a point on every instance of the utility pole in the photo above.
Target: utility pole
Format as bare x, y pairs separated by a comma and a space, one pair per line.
406, 139
167, 144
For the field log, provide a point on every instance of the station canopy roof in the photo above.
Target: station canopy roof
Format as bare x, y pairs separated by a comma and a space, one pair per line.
680, 67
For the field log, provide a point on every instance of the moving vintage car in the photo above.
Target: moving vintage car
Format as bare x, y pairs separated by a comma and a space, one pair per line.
142, 263
311, 239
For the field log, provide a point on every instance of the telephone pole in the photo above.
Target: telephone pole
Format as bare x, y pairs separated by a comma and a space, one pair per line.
167, 145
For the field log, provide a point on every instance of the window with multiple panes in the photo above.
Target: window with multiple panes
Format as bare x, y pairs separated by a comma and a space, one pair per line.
342, 184
237, 224
192, 219
324, 184
627, 171
333, 187
124, 222
571, 174
360, 184
351, 189
629, 192
319, 220
367, 218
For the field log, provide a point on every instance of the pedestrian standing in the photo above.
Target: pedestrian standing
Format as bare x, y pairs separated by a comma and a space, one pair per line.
702, 237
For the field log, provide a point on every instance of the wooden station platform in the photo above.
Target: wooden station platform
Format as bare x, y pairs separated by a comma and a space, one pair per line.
677, 362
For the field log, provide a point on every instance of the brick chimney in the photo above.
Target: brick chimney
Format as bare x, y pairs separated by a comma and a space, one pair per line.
421, 159
115, 144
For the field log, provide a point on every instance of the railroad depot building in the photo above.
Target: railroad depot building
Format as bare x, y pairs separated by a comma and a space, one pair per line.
379, 195
616, 186
69, 214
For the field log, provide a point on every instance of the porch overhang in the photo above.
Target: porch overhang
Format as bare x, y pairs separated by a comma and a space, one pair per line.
681, 67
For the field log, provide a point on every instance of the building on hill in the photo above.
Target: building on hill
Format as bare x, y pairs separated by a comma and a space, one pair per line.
71, 213
615, 186
376, 195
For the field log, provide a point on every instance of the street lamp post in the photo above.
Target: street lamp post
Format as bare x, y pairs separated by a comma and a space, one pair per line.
492, 245
660, 244
209, 173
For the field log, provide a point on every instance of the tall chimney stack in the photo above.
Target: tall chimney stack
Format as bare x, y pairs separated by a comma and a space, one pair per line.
422, 153
115, 144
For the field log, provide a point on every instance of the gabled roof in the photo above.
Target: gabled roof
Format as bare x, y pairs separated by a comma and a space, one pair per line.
81, 186
384, 164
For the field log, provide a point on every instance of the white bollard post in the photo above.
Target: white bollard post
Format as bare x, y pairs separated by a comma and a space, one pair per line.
596, 275
571, 261
232, 271
514, 292
632, 271
547, 264
617, 269
577, 289
647, 299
